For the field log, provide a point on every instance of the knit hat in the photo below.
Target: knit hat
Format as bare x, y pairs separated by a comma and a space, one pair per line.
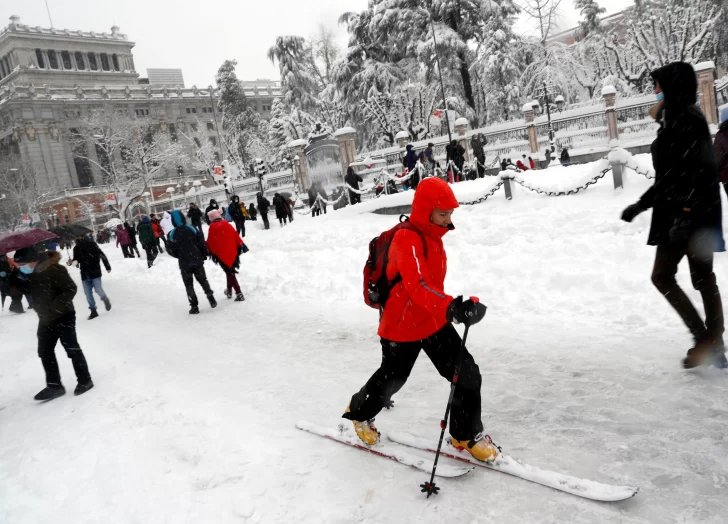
26, 255
724, 115
215, 214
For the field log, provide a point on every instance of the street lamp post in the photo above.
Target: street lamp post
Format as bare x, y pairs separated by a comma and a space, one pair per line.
552, 146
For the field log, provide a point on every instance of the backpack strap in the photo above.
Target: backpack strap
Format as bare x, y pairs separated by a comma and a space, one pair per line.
406, 224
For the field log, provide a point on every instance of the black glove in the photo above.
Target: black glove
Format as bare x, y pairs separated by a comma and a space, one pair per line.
629, 214
680, 231
467, 312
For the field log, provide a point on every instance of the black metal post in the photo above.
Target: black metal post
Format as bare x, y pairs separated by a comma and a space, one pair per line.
442, 84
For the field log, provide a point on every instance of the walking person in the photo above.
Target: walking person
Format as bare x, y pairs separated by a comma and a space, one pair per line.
88, 257
225, 247
213, 205
122, 237
313, 201
187, 245
237, 215
353, 180
149, 240
263, 207
133, 237
418, 316
53, 290
324, 198
194, 213
686, 209
478, 143
721, 148
281, 211
158, 232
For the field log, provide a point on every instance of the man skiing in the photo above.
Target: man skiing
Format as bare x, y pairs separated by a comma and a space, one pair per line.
88, 255
53, 290
187, 245
686, 209
418, 316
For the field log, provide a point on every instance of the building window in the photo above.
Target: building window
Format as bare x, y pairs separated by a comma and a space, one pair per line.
197, 142
80, 160
105, 62
210, 126
141, 112
191, 110
92, 64
66, 59
52, 60
3, 71
207, 110
173, 132
213, 140
194, 127
39, 58
80, 64
115, 61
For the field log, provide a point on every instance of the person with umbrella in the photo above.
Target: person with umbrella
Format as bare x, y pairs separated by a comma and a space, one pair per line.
88, 257
53, 290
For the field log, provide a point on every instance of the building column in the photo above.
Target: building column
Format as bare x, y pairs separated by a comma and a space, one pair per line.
297, 148
706, 91
347, 147
530, 117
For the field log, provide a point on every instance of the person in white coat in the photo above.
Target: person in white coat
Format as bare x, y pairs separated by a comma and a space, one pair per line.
166, 223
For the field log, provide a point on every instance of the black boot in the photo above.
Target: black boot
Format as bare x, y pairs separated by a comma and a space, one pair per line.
50, 392
83, 388
213, 302
107, 304
93, 314
240, 298
194, 310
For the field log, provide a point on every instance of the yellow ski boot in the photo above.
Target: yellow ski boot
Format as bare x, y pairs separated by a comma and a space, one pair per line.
481, 448
366, 431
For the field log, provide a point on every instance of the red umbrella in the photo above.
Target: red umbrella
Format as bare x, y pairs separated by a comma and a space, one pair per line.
24, 239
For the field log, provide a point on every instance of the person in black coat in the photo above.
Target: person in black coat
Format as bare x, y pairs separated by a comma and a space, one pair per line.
133, 237
53, 290
194, 213
88, 257
324, 197
353, 180
236, 213
313, 201
187, 245
263, 207
252, 212
213, 205
686, 209
456, 155
478, 142
281, 210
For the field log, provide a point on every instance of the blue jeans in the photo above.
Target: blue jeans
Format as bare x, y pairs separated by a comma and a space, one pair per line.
89, 286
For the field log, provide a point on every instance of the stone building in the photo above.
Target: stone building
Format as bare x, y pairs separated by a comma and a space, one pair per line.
261, 94
49, 78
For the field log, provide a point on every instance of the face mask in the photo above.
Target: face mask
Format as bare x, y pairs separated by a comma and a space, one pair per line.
660, 97
26, 270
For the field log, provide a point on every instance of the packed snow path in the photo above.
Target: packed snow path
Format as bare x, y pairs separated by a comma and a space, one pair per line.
193, 418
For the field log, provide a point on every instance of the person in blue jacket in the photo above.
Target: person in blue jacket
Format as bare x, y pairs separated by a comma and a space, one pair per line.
187, 245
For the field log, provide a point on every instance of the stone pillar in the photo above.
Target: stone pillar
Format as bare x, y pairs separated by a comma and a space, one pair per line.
530, 117
461, 130
402, 139
609, 94
347, 147
706, 91
297, 147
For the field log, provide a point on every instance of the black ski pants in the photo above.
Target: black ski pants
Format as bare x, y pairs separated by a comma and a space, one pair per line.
398, 359
197, 272
703, 279
152, 252
240, 226
264, 216
49, 333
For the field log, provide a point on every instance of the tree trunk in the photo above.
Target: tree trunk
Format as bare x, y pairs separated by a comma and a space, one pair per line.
467, 81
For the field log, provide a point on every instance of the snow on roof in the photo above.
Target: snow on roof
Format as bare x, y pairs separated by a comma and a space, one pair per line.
298, 143
345, 131
462, 122
609, 90
702, 66
402, 134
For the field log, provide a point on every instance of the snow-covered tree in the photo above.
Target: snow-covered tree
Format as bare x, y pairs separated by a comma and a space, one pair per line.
20, 193
590, 13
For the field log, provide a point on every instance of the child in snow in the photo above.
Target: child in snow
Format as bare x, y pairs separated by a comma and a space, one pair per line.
418, 316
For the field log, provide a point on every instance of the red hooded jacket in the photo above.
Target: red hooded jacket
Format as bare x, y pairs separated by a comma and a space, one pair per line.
223, 242
417, 306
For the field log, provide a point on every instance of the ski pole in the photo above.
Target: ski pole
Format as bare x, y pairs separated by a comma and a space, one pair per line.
429, 487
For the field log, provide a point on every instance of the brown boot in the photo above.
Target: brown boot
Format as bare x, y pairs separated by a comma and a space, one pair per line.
705, 352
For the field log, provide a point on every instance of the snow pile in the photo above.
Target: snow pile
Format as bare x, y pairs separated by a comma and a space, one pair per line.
624, 157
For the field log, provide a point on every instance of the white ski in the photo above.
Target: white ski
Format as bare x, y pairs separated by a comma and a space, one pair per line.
588, 489
384, 449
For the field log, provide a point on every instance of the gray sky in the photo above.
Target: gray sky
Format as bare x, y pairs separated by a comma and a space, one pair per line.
197, 36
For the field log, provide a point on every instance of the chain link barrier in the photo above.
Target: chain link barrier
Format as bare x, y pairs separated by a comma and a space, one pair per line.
484, 197
591, 182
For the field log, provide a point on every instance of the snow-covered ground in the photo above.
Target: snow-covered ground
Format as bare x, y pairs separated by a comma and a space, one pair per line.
192, 418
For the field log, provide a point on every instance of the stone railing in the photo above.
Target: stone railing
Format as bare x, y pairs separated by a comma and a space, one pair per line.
16, 27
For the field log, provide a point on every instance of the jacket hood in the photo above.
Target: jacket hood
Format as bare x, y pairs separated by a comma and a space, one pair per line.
46, 260
213, 202
120, 228
178, 219
431, 194
409, 147
679, 84
145, 220
235, 198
